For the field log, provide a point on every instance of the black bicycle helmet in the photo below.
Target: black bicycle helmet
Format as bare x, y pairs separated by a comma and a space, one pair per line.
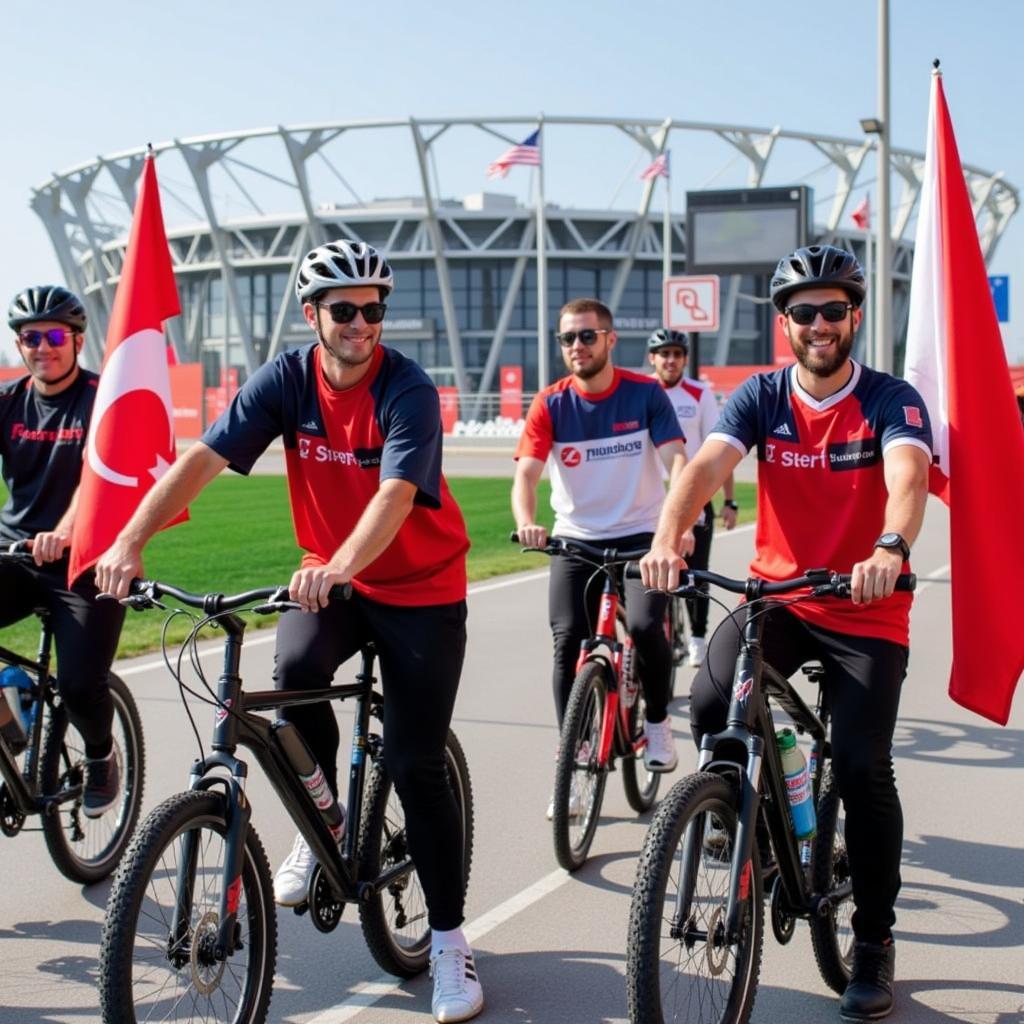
46, 302
663, 338
815, 266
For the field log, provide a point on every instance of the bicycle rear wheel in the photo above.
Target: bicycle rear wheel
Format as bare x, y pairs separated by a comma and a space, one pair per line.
579, 779
150, 971
395, 920
679, 966
832, 936
677, 632
87, 849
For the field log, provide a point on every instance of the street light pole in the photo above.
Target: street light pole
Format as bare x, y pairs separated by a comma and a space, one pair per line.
883, 346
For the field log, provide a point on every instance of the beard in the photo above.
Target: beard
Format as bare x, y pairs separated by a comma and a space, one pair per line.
671, 379
592, 369
819, 364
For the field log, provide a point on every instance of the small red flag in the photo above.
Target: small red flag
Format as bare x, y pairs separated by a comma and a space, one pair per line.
862, 215
658, 169
131, 433
956, 360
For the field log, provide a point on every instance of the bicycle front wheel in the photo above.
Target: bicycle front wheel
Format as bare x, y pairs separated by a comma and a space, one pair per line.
157, 957
832, 935
394, 920
87, 849
680, 964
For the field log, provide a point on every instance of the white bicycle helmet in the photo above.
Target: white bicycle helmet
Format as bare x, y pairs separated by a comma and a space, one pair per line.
342, 264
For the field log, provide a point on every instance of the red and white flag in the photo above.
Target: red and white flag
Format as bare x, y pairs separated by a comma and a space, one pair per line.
861, 216
131, 433
526, 152
956, 360
659, 169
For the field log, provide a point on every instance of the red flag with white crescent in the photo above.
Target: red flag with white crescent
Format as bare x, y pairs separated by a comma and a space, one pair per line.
131, 433
956, 360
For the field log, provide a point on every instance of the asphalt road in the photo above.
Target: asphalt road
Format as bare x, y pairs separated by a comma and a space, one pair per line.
551, 947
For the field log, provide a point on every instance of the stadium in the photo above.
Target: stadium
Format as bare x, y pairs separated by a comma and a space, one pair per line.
242, 208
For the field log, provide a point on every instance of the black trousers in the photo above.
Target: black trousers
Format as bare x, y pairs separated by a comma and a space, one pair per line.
574, 593
421, 652
697, 607
864, 676
85, 634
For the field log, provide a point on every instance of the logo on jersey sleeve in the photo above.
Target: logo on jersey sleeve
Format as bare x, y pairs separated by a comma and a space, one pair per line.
912, 415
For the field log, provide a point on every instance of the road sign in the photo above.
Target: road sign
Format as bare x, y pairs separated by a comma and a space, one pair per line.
1000, 285
691, 303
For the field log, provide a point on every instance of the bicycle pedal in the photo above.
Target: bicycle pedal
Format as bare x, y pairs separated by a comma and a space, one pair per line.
301, 908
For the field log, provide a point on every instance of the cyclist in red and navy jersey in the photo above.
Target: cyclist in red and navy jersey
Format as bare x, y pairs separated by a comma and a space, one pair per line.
44, 418
843, 455
608, 432
697, 409
362, 434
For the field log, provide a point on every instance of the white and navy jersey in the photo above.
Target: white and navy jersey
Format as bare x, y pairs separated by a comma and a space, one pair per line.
605, 468
697, 410
821, 491
42, 440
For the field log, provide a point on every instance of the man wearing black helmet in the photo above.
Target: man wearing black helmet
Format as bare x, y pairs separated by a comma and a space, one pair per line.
362, 435
697, 410
843, 455
44, 417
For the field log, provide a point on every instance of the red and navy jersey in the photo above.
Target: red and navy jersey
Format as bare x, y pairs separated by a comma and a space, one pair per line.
606, 472
42, 440
820, 480
339, 446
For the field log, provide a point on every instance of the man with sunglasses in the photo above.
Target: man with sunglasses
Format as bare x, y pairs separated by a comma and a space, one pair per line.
843, 456
697, 409
362, 434
608, 432
44, 418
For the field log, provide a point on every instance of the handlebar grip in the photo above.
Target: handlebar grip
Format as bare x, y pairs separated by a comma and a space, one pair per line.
513, 537
908, 581
633, 571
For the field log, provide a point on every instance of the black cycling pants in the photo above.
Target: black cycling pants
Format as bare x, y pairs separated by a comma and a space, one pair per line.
574, 593
697, 607
85, 634
421, 652
863, 680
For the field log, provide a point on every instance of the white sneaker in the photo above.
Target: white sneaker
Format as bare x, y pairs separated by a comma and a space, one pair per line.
575, 803
697, 650
291, 883
660, 752
457, 992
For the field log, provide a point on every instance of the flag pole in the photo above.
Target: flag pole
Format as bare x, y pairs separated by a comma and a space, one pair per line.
883, 340
869, 319
543, 371
666, 227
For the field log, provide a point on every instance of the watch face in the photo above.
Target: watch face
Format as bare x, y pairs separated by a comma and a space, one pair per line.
889, 540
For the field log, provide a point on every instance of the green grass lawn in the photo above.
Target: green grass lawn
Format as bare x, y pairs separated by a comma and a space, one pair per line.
240, 536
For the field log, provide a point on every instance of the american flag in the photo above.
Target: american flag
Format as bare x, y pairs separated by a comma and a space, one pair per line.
526, 152
659, 169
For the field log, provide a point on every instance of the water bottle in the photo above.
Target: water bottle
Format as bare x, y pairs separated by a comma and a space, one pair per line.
627, 674
311, 775
12, 719
20, 684
798, 784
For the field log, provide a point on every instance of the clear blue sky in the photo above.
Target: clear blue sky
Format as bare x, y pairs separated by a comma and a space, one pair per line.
79, 80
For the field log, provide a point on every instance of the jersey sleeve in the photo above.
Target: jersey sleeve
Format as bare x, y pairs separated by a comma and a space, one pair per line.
664, 423
252, 420
905, 419
708, 411
413, 442
738, 423
538, 433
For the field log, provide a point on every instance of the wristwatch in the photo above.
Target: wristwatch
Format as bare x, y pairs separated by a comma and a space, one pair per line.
894, 542
729, 503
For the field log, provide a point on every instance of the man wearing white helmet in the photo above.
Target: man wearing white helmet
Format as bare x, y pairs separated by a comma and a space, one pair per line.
362, 434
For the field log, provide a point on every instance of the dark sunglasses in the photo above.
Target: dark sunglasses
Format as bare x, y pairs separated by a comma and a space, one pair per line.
832, 312
345, 312
56, 336
588, 336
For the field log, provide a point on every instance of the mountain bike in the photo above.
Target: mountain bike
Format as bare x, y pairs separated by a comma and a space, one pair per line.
190, 930
44, 775
696, 923
604, 719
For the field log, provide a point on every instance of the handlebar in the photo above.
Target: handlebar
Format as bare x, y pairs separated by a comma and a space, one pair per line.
144, 594
17, 551
557, 546
823, 583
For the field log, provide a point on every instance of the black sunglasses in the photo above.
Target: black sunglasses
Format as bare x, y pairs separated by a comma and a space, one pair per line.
56, 336
345, 312
805, 313
588, 336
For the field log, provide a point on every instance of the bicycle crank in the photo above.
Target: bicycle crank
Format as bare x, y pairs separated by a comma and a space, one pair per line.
325, 909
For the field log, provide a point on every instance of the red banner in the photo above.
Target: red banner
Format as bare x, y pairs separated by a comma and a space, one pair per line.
512, 392
187, 399
218, 398
449, 407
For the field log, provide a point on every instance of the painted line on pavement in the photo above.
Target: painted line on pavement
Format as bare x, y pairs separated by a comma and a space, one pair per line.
371, 992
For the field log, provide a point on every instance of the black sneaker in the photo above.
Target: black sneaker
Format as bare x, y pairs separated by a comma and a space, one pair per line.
868, 995
102, 785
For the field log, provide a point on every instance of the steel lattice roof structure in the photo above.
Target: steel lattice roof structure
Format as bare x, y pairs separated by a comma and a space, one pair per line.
246, 203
